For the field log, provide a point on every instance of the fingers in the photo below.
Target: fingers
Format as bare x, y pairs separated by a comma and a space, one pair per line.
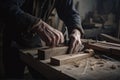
75, 42
55, 36
44, 36
60, 37
71, 46
77, 47
74, 47
51, 36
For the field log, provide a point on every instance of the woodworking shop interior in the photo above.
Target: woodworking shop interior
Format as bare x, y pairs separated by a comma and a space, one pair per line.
98, 57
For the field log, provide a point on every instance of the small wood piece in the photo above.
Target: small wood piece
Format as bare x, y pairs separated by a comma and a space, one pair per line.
110, 38
64, 59
49, 52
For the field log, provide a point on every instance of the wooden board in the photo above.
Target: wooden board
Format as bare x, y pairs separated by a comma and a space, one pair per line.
65, 59
46, 53
108, 48
109, 38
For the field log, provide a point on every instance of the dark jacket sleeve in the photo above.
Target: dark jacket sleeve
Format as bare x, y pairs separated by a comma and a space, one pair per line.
12, 13
67, 12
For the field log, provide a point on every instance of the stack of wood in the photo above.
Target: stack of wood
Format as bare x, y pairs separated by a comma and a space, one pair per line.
103, 46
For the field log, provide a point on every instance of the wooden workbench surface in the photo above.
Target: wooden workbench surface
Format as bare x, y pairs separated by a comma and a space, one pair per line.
90, 69
87, 69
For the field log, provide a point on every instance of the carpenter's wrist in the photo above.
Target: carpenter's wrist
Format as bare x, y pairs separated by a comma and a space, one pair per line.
77, 31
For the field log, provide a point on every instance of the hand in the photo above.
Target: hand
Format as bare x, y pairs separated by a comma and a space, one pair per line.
51, 36
75, 42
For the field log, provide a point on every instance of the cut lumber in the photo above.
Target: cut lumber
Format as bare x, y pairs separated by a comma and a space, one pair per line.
49, 52
65, 59
97, 46
107, 48
109, 38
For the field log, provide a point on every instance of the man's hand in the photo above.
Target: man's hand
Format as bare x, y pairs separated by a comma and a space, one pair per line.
75, 42
51, 36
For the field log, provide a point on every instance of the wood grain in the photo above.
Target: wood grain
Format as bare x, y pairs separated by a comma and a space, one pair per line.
49, 52
110, 38
65, 59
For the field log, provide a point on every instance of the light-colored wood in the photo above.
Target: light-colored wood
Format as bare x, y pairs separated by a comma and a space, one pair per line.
49, 52
68, 58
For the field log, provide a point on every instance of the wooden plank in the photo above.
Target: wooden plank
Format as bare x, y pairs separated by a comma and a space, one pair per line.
97, 46
109, 49
110, 38
44, 69
110, 44
65, 59
49, 52
87, 41
116, 51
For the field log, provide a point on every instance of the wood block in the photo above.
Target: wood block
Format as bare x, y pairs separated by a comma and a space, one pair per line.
65, 59
46, 53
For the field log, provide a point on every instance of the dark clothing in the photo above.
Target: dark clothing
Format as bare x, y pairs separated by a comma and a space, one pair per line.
19, 16
16, 13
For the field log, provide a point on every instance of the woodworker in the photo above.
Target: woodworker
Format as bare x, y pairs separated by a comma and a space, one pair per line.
25, 24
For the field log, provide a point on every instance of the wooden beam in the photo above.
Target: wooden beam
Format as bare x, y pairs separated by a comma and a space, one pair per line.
107, 48
65, 59
97, 46
49, 52
109, 38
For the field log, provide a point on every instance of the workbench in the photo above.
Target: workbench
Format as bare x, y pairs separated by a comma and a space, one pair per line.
93, 68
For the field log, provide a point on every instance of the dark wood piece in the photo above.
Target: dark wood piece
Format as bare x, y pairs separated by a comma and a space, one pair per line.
104, 47
109, 38
46, 53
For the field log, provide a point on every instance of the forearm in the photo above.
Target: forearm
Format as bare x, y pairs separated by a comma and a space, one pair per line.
69, 15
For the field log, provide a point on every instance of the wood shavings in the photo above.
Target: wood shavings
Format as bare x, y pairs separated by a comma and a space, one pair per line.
85, 69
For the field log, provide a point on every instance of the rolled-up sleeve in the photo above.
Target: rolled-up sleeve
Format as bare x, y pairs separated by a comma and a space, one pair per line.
12, 12
67, 12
